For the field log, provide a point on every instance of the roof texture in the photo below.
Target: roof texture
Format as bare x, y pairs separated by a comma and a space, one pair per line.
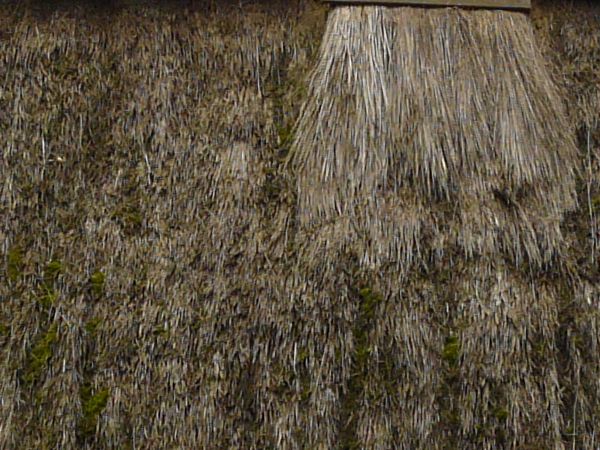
179, 273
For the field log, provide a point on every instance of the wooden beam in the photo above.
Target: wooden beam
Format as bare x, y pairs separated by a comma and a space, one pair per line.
486, 4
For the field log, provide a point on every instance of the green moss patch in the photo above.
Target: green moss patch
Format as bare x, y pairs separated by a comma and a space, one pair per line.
40, 355
451, 351
47, 298
97, 282
129, 215
160, 331
450, 413
92, 405
92, 326
14, 263
595, 204
53, 269
501, 414
369, 301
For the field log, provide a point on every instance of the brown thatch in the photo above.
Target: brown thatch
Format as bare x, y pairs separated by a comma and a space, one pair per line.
170, 282
435, 140
432, 108
571, 35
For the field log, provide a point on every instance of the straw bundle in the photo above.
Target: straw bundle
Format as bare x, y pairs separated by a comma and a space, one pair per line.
436, 107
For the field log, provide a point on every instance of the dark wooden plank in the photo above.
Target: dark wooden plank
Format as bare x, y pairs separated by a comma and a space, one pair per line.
488, 4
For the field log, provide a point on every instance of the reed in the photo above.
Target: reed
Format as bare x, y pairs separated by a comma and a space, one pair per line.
185, 268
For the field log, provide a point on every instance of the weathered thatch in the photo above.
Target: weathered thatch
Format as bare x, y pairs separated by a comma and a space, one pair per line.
570, 35
435, 140
428, 107
172, 282
139, 155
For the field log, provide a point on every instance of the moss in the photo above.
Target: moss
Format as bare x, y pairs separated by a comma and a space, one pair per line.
303, 355
450, 412
501, 413
129, 215
305, 390
273, 185
541, 350
91, 327
579, 342
362, 351
53, 269
286, 381
97, 282
285, 138
484, 430
40, 355
4, 330
160, 331
596, 203
452, 418
351, 444
285, 134
92, 405
133, 219
370, 301
14, 263
48, 297
451, 351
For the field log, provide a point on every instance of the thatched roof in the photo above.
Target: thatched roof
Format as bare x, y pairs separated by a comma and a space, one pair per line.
179, 273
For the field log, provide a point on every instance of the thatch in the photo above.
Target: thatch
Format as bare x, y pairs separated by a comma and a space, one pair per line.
176, 278
571, 35
431, 108
436, 139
